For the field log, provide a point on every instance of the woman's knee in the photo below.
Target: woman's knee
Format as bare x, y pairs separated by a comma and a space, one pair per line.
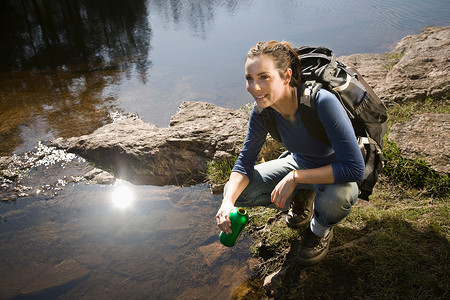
333, 202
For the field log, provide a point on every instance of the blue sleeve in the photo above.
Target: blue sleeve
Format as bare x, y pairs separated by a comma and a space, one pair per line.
349, 165
256, 136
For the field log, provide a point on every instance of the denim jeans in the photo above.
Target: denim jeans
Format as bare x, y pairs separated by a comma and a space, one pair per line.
331, 204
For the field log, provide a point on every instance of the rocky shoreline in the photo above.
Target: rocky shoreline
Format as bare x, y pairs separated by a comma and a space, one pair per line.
142, 153
415, 70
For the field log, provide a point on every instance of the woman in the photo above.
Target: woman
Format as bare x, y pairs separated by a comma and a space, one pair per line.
273, 75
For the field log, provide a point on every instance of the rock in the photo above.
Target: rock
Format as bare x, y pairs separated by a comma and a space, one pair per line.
217, 188
143, 153
97, 176
212, 252
62, 274
425, 136
416, 69
423, 68
4, 161
275, 280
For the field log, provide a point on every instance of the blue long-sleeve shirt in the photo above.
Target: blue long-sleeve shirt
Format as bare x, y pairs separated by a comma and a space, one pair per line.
343, 154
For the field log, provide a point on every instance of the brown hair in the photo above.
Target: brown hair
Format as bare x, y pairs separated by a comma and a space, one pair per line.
283, 56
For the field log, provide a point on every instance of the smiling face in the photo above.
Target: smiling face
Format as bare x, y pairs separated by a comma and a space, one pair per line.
264, 82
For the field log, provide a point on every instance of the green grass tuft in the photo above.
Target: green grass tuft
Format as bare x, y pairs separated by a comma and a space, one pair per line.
219, 171
414, 173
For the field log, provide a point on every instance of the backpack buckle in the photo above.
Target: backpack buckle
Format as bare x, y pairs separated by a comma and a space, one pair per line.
310, 89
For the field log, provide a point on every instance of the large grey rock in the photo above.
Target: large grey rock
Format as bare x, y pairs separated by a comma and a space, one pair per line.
423, 69
425, 136
146, 154
417, 68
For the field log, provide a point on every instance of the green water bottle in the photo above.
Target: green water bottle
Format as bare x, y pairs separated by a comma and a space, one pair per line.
239, 219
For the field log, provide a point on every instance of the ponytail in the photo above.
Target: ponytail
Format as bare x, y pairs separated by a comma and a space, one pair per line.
295, 65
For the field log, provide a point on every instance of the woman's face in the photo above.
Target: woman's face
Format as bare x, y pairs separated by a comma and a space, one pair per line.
264, 82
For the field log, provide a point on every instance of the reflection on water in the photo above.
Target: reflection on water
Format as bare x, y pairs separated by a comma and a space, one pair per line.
78, 244
197, 17
59, 34
63, 54
73, 240
42, 105
122, 195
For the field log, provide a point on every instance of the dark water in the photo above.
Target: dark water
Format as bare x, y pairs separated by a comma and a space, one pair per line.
67, 66
71, 240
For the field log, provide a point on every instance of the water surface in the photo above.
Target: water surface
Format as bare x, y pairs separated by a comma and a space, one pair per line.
73, 241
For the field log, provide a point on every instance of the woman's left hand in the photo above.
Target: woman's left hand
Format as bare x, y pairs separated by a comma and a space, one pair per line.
283, 190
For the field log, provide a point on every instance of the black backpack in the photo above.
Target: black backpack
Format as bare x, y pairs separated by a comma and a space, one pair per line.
364, 108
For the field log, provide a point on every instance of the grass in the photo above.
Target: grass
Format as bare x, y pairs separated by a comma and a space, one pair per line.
395, 246
402, 112
414, 173
218, 172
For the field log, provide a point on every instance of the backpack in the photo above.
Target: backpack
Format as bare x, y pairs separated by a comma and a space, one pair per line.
364, 108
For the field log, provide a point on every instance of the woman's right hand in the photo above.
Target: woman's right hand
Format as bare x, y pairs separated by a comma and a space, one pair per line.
223, 217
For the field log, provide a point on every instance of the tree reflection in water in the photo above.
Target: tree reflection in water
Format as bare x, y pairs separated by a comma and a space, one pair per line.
56, 58
49, 34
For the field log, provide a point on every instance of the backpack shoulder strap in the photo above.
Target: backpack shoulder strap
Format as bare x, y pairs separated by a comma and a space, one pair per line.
308, 112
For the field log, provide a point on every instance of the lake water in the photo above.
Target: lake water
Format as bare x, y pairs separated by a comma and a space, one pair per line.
67, 66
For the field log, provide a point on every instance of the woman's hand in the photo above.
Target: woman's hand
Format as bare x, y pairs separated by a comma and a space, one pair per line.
283, 190
223, 217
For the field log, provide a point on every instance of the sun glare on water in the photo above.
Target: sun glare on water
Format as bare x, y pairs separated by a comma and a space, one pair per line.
122, 197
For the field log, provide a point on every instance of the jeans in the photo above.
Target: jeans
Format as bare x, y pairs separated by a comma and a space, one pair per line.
331, 204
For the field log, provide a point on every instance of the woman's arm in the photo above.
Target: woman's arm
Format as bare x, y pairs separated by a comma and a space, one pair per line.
349, 165
286, 186
235, 186
242, 170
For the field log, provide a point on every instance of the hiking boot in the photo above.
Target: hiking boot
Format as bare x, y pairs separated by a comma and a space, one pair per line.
314, 248
300, 209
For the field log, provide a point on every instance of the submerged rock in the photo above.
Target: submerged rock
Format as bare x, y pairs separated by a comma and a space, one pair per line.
63, 274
